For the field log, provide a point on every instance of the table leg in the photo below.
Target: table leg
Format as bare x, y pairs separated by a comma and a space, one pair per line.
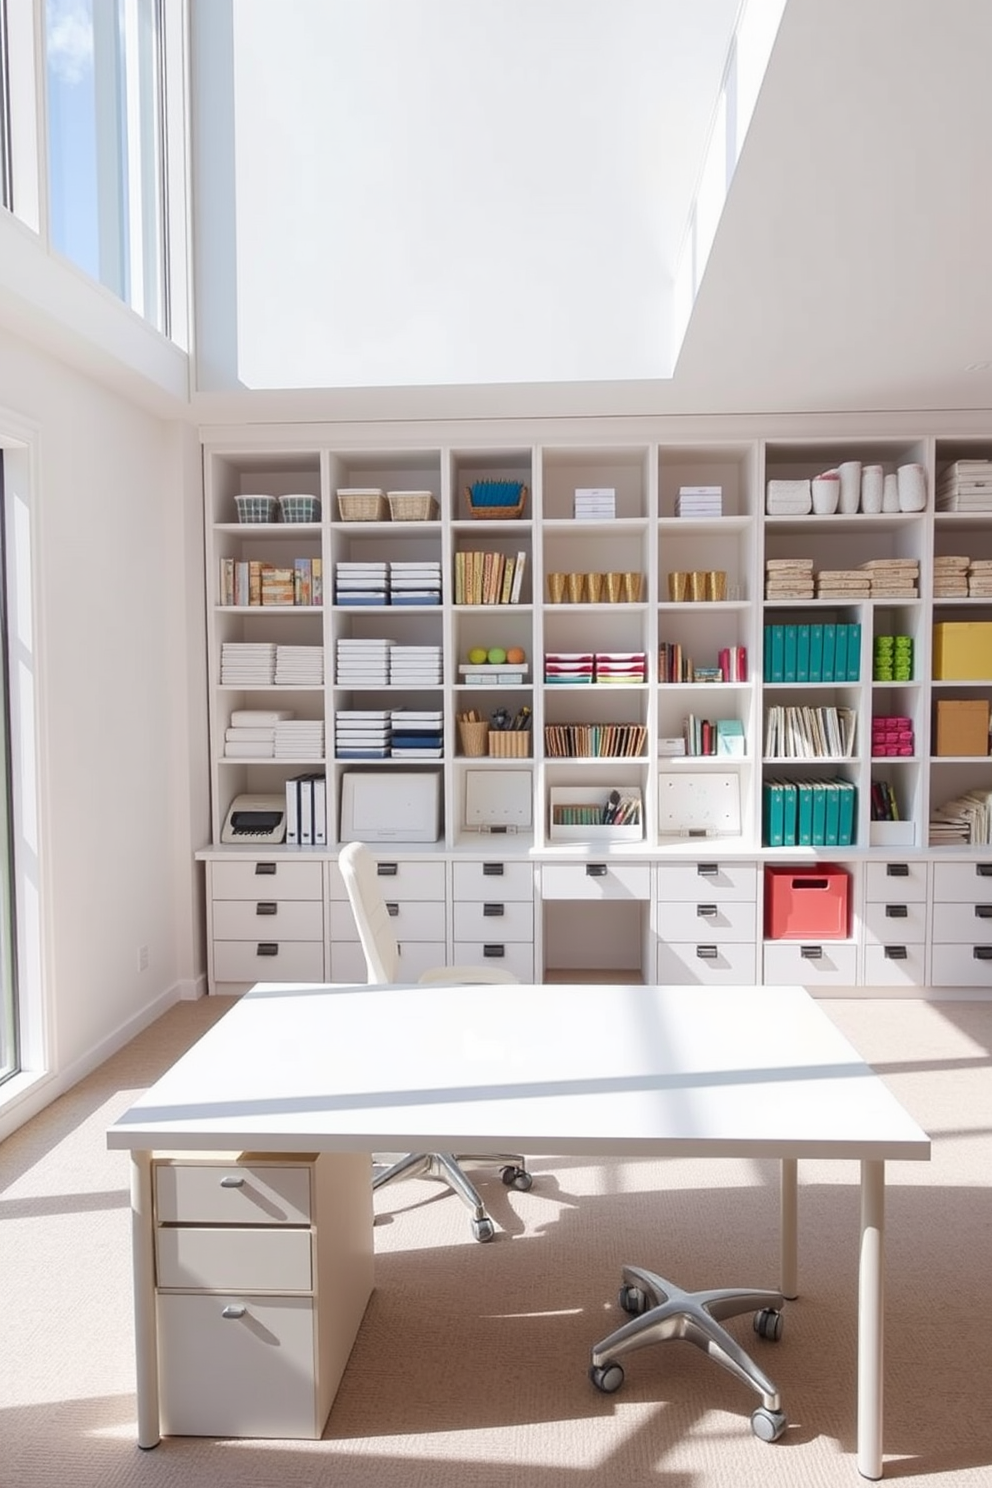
789, 1209
143, 1272
871, 1290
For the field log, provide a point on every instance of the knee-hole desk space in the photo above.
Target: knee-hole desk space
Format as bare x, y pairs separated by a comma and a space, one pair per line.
602, 1069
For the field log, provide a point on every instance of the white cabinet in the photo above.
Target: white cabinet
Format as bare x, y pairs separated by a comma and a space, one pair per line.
263, 1269
706, 922
415, 892
895, 924
266, 921
961, 931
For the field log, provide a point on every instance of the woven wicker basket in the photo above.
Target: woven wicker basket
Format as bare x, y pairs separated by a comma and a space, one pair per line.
472, 737
510, 743
363, 506
412, 506
485, 512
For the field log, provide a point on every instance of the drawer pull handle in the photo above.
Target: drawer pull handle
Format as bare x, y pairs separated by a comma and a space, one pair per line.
493, 952
895, 953
493, 911
233, 1310
387, 870
267, 948
896, 912
706, 952
897, 870
595, 870
984, 870
392, 910
232, 1180
265, 870
492, 870
706, 911
811, 952
707, 870
983, 911
982, 953
266, 907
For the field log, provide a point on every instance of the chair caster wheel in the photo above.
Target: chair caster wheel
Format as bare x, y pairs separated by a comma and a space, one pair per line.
766, 1424
632, 1300
483, 1230
518, 1178
768, 1324
608, 1377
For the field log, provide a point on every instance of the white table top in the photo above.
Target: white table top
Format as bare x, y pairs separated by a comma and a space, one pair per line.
569, 1069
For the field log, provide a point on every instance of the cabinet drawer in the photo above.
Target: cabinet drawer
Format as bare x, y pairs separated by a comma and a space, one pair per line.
269, 878
347, 962
418, 956
895, 965
898, 880
826, 963
495, 919
397, 879
706, 879
250, 1373
268, 960
290, 919
706, 963
961, 965
409, 919
968, 923
516, 957
266, 1258
596, 880
492, 879
953, 881
232, 1193
714, 919
897, 922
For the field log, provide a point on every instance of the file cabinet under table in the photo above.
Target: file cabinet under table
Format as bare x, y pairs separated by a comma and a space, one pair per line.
263, 1270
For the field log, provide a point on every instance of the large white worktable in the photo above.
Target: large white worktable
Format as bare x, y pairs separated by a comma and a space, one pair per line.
570, 1069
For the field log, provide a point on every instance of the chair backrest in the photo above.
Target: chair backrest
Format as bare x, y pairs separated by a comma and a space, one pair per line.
358, 869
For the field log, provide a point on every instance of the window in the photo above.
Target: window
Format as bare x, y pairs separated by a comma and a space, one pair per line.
6, 183
105, 88
9, 1053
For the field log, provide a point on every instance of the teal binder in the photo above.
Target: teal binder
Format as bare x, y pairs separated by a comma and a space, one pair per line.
831, 828
840, 654
802, 653
829, 652
816, 653
790, 797
848, 802
791, 648
773, 807
819, 814
805, 824
767, 652
853, 652
778, 654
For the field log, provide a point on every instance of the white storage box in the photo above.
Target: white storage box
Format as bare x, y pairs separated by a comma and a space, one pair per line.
574, 808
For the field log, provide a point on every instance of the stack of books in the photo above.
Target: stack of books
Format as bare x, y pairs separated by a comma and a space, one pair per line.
594, 740
249, 742
813, 653
808, 813
732, 661
979, 578
965, 486
842, 583
966, 820
417, 733
884, 805
299, 666
789, 578
361, 583
363, 663
362, 733
893, 578
415, 583
595, 504
488, 577
415, 666
247, 663
699, 501
799, 732
950, 576
301, 739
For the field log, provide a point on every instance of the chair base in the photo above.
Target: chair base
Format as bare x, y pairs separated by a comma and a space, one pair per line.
663, 1311
446, 1166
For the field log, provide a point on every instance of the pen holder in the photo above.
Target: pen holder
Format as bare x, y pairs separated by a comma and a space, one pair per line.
594, 587
509, 743
473, 738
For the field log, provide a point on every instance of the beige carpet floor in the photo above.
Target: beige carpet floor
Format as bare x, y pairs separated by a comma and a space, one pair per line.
470, 1370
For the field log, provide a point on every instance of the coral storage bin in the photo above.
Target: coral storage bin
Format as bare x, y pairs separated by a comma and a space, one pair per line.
807, 904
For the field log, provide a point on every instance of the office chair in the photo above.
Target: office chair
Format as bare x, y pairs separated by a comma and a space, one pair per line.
662, 1311
358, 869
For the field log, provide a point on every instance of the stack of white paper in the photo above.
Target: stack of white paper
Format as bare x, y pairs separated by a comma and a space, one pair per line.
247, 664
363, 663
415, 666
300, 666
699, 501
301, 739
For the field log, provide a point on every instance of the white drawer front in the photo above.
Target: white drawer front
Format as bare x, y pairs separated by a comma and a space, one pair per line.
248, 1374
398, 879
231, 1193
409, 919
347, 962
895, 965
269, 878
714, 919
494, 918
960, 966
836, 963
889, 880
416, 957
895, 922
707, 879
267, 1258
970, 923
289, 919
492, 879
250, 961
953, 881
516, 957
706, 963
595, 880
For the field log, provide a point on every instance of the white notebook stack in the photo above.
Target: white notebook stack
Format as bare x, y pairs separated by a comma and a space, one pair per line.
247, 663
362, 733
363, 663
415, 666
965, 486
299, 666
595, 504
415, 583
249, 743
699, 501
361, 583
300, 739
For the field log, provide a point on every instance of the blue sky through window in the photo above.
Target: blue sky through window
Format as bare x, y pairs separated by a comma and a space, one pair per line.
72, 145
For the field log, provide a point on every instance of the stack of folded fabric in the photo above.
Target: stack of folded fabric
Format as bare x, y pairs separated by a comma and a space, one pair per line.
247, 664
789, 578
415, 666
980, 578
300, 666
363, 662
842, 583
893, 578
300, 739
950, 577
788, 498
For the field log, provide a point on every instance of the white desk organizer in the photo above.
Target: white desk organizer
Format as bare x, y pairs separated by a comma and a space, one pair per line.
594, 795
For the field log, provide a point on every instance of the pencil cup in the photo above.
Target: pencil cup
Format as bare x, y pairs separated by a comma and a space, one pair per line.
850, 486
556, 587
912, 487
697, 584
594, 587
872, 488
614, 587
890, 493
474, 738
716, 584
632, 587
678, 587
575, 585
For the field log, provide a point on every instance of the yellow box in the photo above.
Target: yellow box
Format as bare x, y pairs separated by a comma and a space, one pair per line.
962, 651
962, 726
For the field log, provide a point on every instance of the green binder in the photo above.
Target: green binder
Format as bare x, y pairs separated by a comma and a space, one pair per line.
802, 653
831, 829
778, 654
819, 814
790, 797
791, 649
840, 654
829, 652
816, 653
853, 652
773, 808
805, 825
848, 803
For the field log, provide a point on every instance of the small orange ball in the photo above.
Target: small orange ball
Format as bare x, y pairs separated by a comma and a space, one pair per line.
515, 655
